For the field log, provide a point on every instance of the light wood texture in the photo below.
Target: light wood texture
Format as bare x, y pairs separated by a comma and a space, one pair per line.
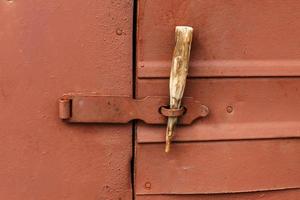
179, 71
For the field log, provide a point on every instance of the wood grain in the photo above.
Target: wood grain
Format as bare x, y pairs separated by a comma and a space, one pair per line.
179, 71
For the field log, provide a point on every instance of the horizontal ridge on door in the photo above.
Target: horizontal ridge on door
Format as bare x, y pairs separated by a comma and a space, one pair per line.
223, 68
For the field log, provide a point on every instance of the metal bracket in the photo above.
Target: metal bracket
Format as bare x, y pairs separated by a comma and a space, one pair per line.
93, 108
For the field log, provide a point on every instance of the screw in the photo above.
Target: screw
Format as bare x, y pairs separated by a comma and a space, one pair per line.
148, 185
229, 109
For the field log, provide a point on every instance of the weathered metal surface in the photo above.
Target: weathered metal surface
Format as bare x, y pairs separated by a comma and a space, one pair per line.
235, 38
224, 68
48, 48
92, 108
260, 108
270, 195
232, 40
218, 167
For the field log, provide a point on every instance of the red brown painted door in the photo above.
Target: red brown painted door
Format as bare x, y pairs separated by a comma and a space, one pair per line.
48, 48
245, 67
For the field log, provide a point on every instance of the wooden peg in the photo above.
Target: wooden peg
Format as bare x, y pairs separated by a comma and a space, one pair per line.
179, 71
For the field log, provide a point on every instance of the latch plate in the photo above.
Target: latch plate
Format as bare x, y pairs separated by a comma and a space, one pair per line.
93, 108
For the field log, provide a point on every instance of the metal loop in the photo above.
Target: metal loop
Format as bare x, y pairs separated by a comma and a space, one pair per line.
172, 112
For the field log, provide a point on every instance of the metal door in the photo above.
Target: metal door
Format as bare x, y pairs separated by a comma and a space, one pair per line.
48, 48
245, 67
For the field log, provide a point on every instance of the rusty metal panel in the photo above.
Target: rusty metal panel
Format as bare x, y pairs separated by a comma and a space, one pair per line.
49, 48
218, 167
244, 67
240, 108
231, 38
224, 68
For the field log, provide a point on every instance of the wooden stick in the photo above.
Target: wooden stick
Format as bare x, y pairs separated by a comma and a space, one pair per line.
179, 71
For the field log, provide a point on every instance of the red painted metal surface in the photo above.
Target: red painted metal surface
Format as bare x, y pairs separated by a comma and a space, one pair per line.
231, 38
224, 68
219, 167
270, 195
52, 47
248, 54
261, 108
92, 108
49, 48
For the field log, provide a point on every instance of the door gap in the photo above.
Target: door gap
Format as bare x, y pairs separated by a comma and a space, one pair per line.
134, 62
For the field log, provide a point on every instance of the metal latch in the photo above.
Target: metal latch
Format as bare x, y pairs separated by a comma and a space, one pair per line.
93, 108
152, 110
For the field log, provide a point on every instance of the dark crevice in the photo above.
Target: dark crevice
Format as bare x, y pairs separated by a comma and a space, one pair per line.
133, 159
134, 47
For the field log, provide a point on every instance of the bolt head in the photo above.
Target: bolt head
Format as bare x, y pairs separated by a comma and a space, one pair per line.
229, 109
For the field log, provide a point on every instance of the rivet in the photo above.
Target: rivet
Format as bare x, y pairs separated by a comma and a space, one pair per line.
148, 185
229, 109
119, 31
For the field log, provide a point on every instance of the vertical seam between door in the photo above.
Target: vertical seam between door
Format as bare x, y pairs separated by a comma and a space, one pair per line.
134, 61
